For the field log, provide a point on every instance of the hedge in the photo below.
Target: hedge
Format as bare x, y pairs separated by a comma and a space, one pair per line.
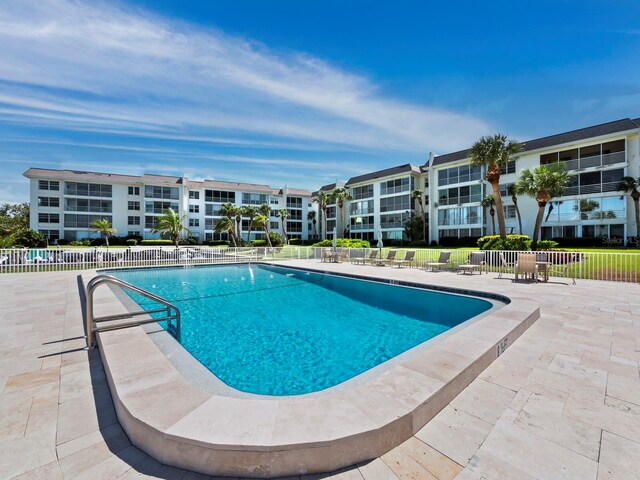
156, 242
344, 243
512, 242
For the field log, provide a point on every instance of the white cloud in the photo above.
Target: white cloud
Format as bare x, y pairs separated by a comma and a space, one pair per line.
74, 64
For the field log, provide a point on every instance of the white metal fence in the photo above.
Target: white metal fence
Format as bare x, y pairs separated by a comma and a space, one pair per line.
614, 266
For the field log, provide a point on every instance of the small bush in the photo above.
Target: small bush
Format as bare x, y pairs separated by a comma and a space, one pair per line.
546, 245
26, 238
188, 241
579, 242
216, 243
276, 239
156, 243
418, 243
62, 241
132, 242
458, 242
258, 243
85, 242
294, 241
433, 243
512, 242
344, 243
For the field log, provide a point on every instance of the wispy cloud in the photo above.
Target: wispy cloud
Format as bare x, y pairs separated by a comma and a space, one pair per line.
113, 67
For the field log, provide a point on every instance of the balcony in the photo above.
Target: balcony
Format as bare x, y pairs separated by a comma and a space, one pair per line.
594, 161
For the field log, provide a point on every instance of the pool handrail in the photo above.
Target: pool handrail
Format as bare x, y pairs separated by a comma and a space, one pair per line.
91, 321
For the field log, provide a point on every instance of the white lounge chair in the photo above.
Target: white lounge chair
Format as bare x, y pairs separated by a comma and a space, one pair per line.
443, 261
475, 263
406, 261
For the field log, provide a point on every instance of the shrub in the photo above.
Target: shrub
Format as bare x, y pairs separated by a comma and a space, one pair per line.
276, 239
156, 243
62, 241
294, 241
344, 243
188, 241
25, 238
512, 242
418, 243
458, 242
216, 243
258, 243
85, 242
546, 245
579, 242
132, 242
433, 243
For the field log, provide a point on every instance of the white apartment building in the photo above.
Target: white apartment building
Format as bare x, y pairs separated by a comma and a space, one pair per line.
65, 202
596, 158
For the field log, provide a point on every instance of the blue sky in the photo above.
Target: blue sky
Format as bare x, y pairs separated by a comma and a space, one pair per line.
299, 93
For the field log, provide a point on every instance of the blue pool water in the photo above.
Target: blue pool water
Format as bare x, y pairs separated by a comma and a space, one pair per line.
278, 331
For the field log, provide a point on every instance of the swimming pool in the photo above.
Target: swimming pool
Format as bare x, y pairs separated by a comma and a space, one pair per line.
277, 331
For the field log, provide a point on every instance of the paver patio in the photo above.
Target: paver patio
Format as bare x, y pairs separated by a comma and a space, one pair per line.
563, 402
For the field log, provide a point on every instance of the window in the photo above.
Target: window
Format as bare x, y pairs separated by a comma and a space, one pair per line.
194, 195
87, 189
393, 220
294, 227
295, 214
274, 201
274, 225
194, 208
133, 206
48, 218
594, 182
48, 185
361, 223
504, 189
149, 222
459, 216
87, 205
211, 210
82, 221
254, 198
363, 207
509, 211
133, 220
134, 190
294, 202
171, 193
194, 222
402, 202
219, 196
510, 167
458, 195
50, 234
48, 202
589, 156
209, 223
160, 207
133, 233
331, 211
398, 185
461, 174
365, 191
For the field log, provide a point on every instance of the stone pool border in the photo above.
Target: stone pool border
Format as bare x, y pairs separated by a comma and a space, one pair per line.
183, 426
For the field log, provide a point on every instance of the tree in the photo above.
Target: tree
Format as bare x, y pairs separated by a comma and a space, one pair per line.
225, 225
339, 196
418, 196
322, 199
283, 213
171, 225
494, 153
249, 211
631, 186
13, 217
311, 217
260, 221
514, 198
413, 227
541, 183
104, 228
490, 202
265, 211
229, 210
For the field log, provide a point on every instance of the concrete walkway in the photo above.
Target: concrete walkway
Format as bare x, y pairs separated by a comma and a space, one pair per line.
563, 402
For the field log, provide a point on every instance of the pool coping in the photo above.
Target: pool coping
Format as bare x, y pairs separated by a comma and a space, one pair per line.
183, 426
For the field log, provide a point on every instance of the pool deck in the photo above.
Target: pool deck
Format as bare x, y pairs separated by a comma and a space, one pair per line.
562, 402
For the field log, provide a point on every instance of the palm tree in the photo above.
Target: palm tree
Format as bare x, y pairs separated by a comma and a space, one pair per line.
261, 221
225, 225
493, 153
249, 211
104, 228
631, 186
490, 202
171, 224
514, 198
322, 199
311, 217
283, 213
339, 196
417, 195
228, 210
265, 211
542, 183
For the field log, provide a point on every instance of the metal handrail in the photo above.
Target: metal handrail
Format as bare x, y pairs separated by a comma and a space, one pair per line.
172, 312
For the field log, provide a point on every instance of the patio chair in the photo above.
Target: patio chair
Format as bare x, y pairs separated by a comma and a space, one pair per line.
406, 261
341, 256
443, 261
327, 255
381, 262
373, 254
505, 267
526, 265
475, 262
565, 269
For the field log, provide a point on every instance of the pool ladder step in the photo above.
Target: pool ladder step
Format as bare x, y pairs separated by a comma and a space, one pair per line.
172, 313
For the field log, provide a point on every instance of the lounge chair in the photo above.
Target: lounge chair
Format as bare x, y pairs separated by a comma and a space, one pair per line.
341, 256
505, 267
475, 262
565, 269
373, 255
381, 262
406, 261
327, 255
526, 265
443, 261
